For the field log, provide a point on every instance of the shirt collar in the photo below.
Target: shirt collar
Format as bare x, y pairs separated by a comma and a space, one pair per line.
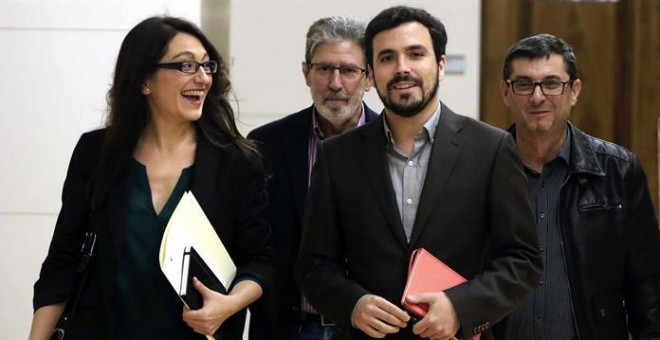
565, 152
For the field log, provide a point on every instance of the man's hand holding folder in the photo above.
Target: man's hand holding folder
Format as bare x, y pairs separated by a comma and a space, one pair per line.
424, 295
440, 317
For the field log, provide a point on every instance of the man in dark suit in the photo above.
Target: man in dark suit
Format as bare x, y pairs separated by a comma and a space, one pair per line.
418, 176
335, 71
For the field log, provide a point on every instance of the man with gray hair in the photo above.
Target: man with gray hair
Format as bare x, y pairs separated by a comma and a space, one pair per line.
335, 71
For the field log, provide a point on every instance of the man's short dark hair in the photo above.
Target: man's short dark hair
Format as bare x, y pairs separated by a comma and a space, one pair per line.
537, 46
395, 16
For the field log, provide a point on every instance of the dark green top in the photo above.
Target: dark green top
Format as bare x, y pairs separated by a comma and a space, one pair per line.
146, 306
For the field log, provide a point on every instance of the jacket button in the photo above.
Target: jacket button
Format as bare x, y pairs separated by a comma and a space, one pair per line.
602, 312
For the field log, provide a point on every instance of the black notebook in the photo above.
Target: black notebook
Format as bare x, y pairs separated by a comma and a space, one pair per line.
194, 266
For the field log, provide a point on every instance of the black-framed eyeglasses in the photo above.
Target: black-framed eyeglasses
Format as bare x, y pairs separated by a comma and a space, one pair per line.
346, 72
191, 67
548, 87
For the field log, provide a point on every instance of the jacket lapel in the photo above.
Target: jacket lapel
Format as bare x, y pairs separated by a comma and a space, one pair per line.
296, 157
447, 146
369, 114
109, 207
207, 161
375, 166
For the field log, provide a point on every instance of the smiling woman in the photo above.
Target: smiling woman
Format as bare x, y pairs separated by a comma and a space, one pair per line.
170, 129
177, 94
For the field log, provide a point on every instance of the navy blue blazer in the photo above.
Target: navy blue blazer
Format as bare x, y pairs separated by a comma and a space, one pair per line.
229, 190
284, 143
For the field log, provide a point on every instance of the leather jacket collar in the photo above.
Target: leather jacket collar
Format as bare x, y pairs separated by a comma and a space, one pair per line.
583, 157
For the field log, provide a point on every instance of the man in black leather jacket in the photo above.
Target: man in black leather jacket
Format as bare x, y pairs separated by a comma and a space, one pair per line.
597, 227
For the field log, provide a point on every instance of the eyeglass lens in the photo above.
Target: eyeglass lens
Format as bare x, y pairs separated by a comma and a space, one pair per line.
548, 88
347, 72
191, 67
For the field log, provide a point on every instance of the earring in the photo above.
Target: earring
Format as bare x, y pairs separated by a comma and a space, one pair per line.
146, 90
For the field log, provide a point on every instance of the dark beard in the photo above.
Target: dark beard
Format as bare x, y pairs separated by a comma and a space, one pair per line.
413, 108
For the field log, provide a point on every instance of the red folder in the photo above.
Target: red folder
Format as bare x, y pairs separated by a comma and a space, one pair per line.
426, 274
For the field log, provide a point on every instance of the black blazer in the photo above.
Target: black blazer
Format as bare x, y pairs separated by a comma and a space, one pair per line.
284, 143
473, 214
229, 190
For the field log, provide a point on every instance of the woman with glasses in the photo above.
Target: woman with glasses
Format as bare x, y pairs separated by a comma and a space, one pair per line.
170, 129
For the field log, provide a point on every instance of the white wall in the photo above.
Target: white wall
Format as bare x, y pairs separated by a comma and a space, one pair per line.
57, 64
